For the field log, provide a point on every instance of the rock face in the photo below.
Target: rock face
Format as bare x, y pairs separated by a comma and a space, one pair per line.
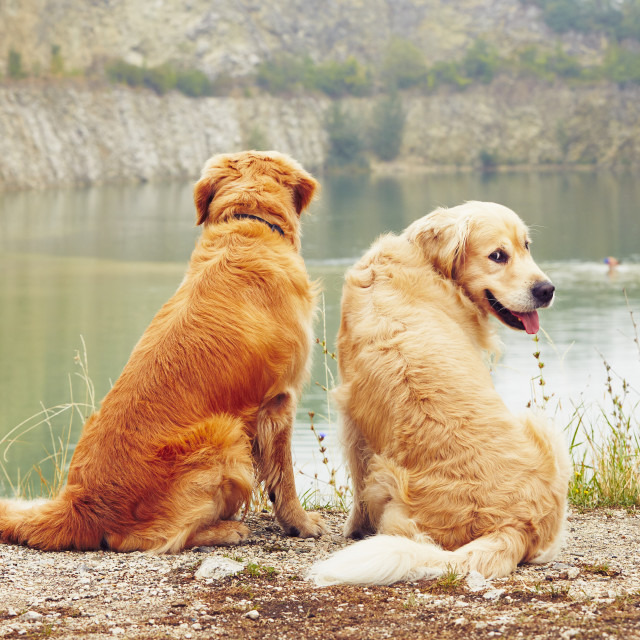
66, 134
232, 37
69, 133
526, 123
79, 130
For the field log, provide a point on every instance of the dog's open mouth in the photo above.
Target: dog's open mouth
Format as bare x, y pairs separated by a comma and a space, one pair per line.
527, 321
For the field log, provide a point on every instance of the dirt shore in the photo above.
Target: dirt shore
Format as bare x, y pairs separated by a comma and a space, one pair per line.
591, 591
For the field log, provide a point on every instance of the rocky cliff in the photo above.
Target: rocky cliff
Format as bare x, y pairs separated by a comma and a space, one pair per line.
69, 133
527, 123
63, 124
233, 37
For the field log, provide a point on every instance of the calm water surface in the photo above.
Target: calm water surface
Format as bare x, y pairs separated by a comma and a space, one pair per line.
97, 263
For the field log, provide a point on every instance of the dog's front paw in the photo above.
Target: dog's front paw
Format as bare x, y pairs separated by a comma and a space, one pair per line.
312, 526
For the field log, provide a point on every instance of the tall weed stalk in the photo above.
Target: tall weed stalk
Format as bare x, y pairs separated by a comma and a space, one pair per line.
329, 493
60, 421
605, 445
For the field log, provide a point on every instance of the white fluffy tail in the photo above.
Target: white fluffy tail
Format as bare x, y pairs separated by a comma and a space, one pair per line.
381, 560
384, 559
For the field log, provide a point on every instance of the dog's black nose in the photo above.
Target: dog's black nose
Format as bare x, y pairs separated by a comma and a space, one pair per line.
543, 292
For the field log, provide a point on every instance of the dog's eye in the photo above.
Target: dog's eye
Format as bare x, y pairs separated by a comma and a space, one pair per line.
526, 245
499, 256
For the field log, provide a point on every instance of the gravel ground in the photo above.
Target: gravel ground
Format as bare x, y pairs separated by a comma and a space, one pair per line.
591, 591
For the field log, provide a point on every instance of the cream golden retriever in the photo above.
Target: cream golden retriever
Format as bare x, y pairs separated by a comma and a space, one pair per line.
210, 390
441, 470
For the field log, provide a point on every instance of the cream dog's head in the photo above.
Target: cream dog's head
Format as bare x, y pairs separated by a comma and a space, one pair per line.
484, 247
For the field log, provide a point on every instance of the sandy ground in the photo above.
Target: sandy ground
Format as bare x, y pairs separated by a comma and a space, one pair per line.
591, 591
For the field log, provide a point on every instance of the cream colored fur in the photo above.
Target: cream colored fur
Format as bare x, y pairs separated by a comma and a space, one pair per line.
442, 471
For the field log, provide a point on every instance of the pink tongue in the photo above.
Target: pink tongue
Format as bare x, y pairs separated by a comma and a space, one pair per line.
530, 321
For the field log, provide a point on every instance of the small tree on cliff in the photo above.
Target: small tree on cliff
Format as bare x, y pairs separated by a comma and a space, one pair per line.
404, 65
387, 127
14, 68
346, 146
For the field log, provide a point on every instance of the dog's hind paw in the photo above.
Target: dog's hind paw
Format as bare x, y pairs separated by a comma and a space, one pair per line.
225, 532
239, 533
357, 526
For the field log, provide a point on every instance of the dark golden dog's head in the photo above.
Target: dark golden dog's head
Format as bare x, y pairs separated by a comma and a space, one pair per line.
484, 247
268, 184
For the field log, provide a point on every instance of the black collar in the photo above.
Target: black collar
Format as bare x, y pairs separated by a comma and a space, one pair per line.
250, 216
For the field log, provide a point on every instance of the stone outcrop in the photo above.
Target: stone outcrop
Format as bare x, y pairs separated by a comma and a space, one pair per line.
64, 125
70, 133
65, 134
525, 122
217, 36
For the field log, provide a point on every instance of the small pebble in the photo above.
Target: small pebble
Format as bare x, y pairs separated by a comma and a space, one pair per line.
493, 594
476, 581
216, 567
32, 616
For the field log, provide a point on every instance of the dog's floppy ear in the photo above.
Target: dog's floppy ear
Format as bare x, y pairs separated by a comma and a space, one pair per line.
215, 171
203, 194
303, 192
442, 236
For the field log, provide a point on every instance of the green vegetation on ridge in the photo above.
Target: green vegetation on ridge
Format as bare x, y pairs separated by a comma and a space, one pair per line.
403, 65
619, 19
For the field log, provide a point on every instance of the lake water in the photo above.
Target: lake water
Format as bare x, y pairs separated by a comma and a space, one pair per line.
97, 263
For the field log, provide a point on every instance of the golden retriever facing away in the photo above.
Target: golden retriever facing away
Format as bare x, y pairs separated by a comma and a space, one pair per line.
441, 469
209, 390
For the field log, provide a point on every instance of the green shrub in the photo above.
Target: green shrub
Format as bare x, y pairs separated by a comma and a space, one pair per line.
163, 78
622, 66
532, 60
566, 15
544, 64
480, 62
14, 67
562, 64
387, 127
346, 146
488, 160
57, 63
122, 72
284, 73
447, 73
630, 23
160, 79
620, 19
338, 79
403, 65
194, 83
